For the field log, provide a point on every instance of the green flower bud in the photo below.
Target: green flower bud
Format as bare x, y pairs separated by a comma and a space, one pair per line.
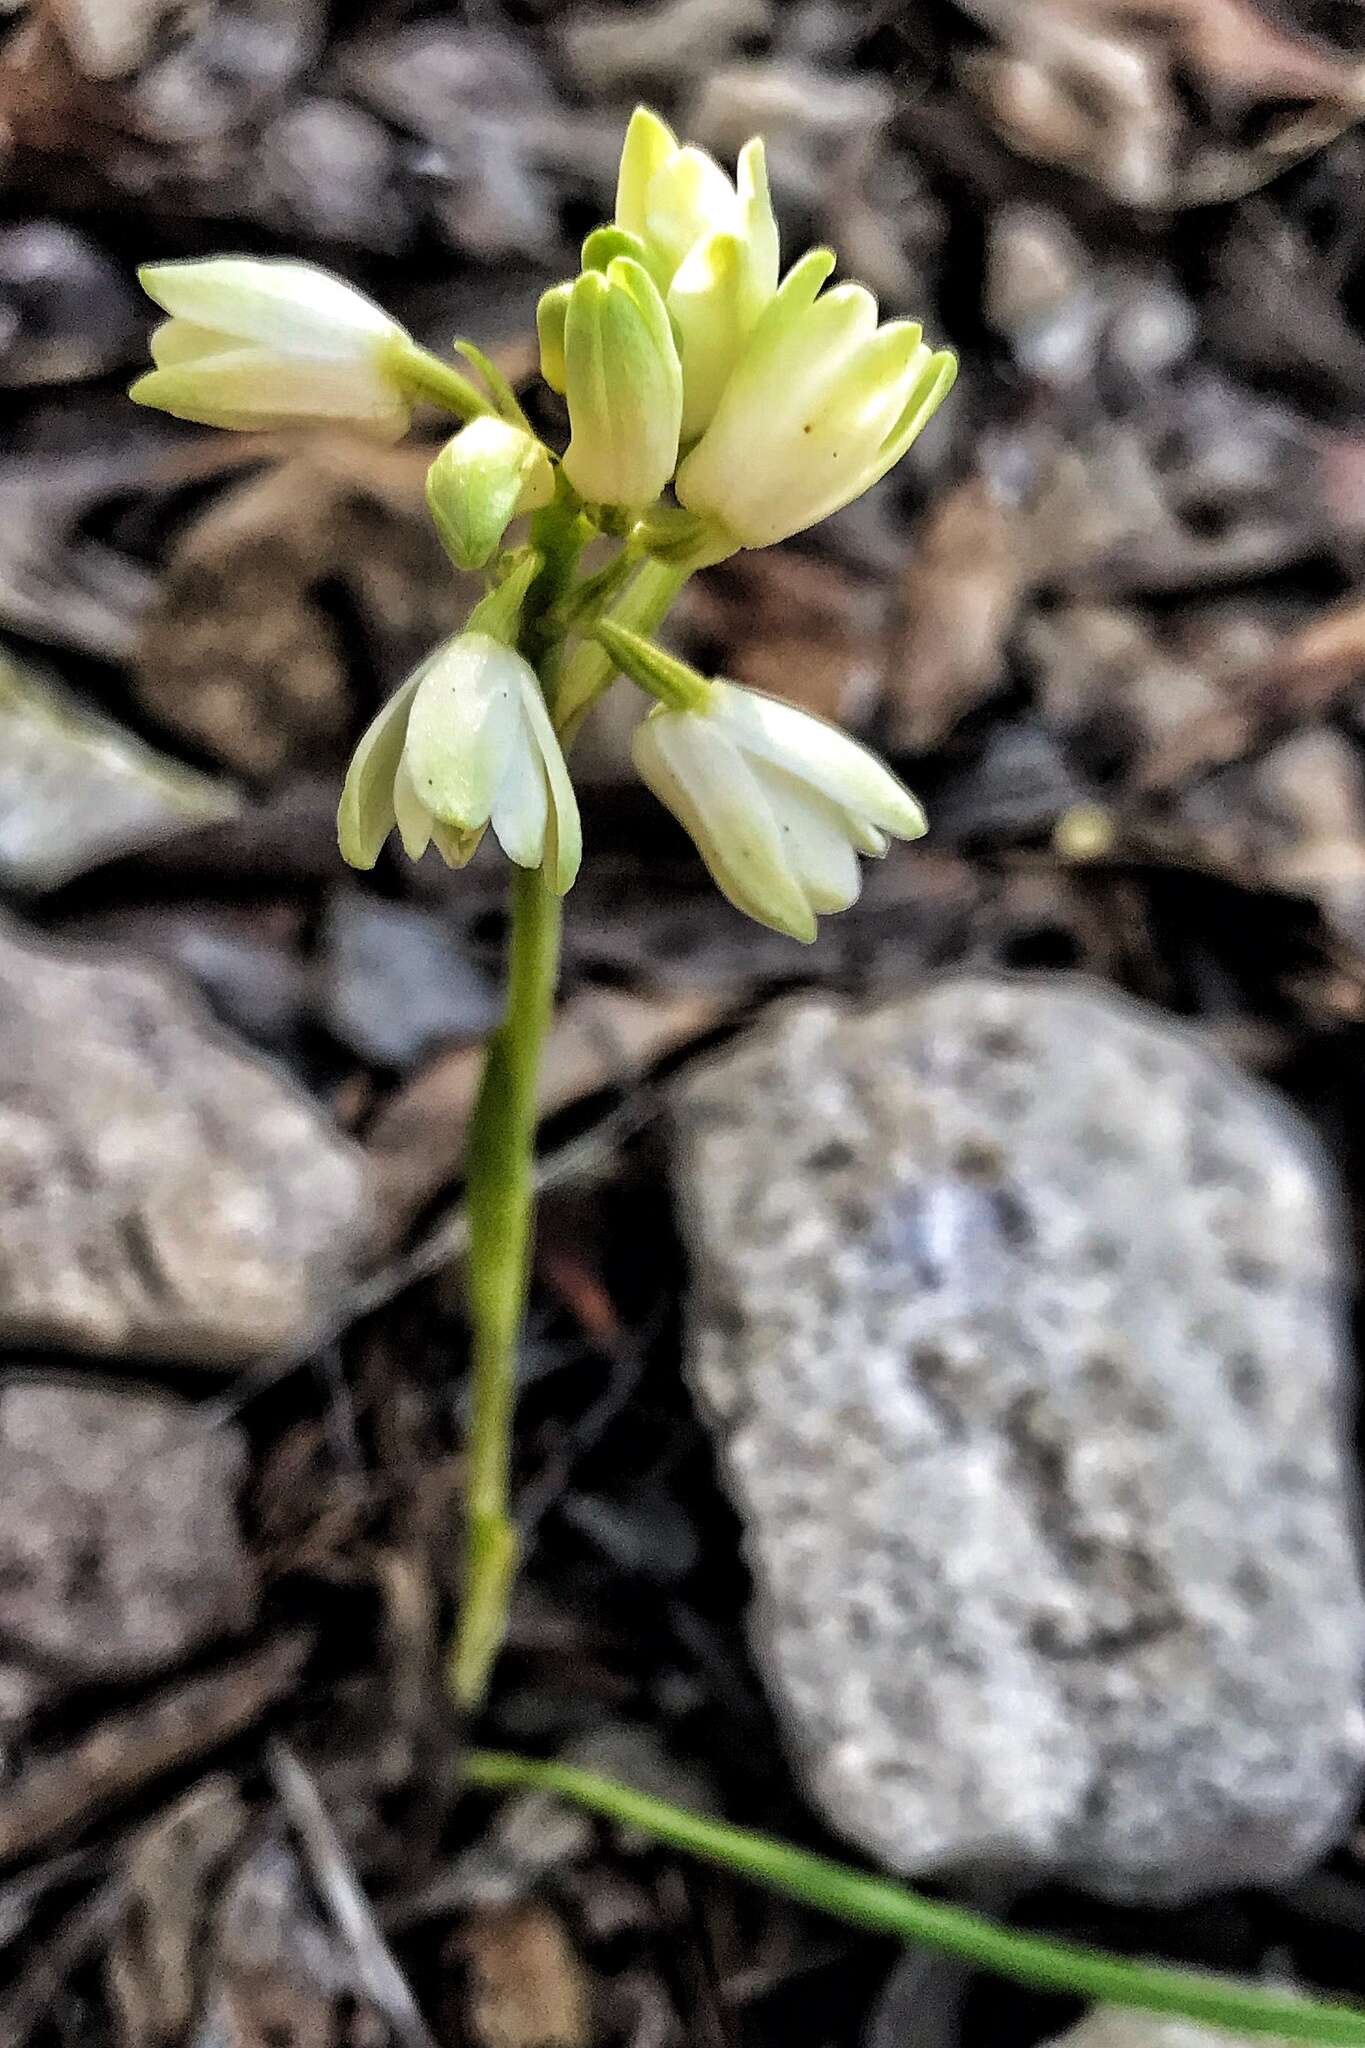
623, 382
482, 479
551, 314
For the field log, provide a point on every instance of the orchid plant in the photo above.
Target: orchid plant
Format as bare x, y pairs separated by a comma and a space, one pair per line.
713, 405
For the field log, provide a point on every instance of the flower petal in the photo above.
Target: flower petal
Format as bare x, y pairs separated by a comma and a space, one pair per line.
291, 308
693, 769
521, 808
365, 816
250, 390
180, 341
649, 144
758, 230
706, 302
464, 723
848, 774
815, 837
414, 819
689, 197
564, 836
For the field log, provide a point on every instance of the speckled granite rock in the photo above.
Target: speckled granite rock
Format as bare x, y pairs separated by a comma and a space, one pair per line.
119, 1545
1017, 1314
162, 1191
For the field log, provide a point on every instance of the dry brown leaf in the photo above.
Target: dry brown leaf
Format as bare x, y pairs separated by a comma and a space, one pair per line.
964, 580
275, 592
527, 1988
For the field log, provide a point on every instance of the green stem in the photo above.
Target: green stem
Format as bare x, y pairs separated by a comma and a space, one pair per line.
426, 376
885, 1907
500, 1203
588, 670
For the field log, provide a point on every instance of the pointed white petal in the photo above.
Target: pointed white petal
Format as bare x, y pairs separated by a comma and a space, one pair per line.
365, 816
815, 838
180, 341
685, 758
649, 144
414, 819
251, 390
291, 308
689, 197
758, 227
705, 301
848, 774
464, 723
521, 808
564, 836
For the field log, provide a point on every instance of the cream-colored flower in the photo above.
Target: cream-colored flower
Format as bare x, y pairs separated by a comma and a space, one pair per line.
710, 245
822, 403
467, 742
624, 387
253, 344
778, 803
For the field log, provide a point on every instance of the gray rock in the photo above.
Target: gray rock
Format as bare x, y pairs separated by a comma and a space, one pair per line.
161, 1190
75, 790
119, 1545
1018, 1314
66, 311
395, 981
1111, 2026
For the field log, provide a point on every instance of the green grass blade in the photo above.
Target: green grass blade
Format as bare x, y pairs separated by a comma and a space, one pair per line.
885, 1907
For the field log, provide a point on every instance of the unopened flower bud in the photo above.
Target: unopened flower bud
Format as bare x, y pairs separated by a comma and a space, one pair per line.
254, 344
623, 383
482, 479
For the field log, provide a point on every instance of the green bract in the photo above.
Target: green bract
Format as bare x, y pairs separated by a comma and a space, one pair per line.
623, 383
482, 479
254, 344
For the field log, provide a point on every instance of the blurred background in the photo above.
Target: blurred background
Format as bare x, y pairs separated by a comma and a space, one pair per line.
1109, 621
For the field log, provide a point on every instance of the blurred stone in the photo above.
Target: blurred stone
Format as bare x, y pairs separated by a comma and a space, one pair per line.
965, 575
609, 49
1112, 2026
394, 981
1055, 1562
66, 311
326, 171
76, 790
164, 1192
246, 961
119, 1545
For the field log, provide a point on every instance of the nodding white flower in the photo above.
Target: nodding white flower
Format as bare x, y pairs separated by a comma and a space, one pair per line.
778, 803
482, 479
467, 742
623, 384
254, 344
821, 404
710, 245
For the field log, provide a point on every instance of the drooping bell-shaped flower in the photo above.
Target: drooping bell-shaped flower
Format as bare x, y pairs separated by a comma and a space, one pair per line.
778, 802
253, 343
467, 742
623, 384
822, 403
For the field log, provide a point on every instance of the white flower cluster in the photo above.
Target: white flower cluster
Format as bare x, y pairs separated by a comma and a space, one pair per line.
687, 363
